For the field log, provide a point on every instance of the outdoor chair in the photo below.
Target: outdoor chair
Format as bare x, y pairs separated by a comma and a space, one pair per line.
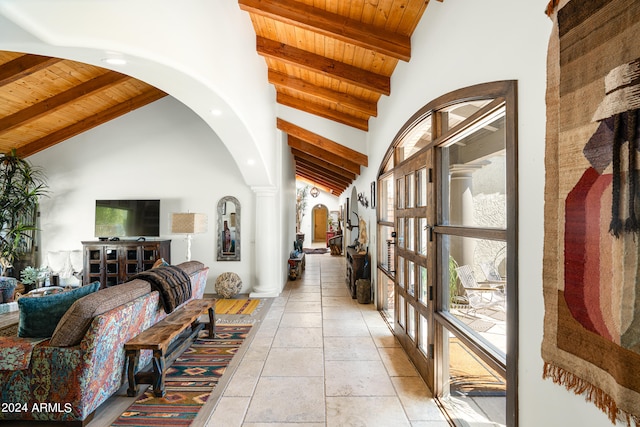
480, 296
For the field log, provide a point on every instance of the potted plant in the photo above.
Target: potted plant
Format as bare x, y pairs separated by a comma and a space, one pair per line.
33, 278
301, 205
21, 185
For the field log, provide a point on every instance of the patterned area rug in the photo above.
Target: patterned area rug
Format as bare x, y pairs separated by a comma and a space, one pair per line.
189, 381
469, 375
315, 250
236, 306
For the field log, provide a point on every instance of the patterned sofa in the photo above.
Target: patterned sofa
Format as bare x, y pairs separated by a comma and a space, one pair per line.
44, 381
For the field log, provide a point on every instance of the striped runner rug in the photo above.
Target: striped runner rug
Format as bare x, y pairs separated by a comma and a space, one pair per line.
236, 306
189, 381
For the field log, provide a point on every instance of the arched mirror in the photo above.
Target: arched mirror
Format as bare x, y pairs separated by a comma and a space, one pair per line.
228, 229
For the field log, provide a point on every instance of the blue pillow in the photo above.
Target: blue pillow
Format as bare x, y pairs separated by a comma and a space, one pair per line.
39, 316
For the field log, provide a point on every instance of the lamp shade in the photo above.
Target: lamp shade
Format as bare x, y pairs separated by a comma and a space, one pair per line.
188, 223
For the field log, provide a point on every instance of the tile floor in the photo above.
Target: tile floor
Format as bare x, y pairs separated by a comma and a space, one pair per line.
321, 359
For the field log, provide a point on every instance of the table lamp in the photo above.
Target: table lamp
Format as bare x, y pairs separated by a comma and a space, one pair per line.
188, 223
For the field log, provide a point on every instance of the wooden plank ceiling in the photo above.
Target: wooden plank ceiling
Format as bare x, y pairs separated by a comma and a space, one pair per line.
44, 101
329, 58
333, 59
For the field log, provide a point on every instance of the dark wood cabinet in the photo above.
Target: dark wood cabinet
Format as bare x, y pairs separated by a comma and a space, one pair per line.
356, 269
114, 262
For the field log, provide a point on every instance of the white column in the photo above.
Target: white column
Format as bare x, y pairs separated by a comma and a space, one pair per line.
461, 209
267, 244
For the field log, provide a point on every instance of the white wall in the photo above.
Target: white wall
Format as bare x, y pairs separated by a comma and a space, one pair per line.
161, 151
458, 44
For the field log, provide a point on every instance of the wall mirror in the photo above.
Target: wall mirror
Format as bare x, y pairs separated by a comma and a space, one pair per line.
228, 229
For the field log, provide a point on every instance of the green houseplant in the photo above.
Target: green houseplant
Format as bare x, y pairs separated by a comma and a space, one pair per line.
21, 185
301, 206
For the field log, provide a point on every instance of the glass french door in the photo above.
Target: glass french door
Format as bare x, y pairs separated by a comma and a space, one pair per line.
447, 249
413, 213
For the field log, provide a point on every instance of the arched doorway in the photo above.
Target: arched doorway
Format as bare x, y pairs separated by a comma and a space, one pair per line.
319, 216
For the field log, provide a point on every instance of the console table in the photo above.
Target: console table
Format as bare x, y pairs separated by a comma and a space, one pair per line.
113, 262
355, 269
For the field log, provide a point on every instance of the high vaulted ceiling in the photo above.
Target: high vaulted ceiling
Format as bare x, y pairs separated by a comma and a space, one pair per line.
331, 58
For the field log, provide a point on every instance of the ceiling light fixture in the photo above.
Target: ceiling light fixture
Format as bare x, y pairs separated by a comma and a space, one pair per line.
215, 112
114, 61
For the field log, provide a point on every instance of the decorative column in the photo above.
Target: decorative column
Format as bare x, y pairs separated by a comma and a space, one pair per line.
461, 209
267, 246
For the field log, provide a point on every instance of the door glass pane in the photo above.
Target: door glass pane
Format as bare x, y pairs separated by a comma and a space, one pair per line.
386, 251
421, 179
400, 192
410, 234
400, 272
452, 116
422, 236
400, 232
385, 186
423, 339
415, 140
473, 264
468, 379
422, 288
387, 293
410, 196
411, 322
401, 311
411, 277
474, 186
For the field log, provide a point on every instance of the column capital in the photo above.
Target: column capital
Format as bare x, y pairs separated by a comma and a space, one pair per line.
264, 189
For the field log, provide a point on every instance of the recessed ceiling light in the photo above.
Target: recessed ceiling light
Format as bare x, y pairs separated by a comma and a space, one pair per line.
114, 61
215, 112
251, 162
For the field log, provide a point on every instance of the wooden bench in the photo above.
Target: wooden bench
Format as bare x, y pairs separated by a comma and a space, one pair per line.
296, 265
168, 339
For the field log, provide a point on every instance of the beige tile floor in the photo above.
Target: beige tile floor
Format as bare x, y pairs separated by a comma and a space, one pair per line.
321, 359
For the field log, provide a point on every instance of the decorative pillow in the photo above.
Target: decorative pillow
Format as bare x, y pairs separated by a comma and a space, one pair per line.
76, 321
39, 316
190, 267
160, 263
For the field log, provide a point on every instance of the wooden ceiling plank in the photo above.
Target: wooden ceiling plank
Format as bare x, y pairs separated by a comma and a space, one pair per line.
23, 66
314, 168
320, 167
97, 119
319, 180
329, 167
317, 110
322, 142
364, 106
351, 31
58, 101
325, 66
324, 155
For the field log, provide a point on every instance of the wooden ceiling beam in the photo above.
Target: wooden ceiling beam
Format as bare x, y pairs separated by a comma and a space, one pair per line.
321, 111
48, 105
323, 65
97, 119
323, 155
363, 106
322, 142
331, 168
319, 170
23, 66
319, 180
332, 25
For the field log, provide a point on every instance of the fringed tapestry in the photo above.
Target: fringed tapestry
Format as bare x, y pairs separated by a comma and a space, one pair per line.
591, 279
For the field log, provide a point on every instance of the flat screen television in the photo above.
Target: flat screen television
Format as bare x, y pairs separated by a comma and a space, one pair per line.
127, 218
